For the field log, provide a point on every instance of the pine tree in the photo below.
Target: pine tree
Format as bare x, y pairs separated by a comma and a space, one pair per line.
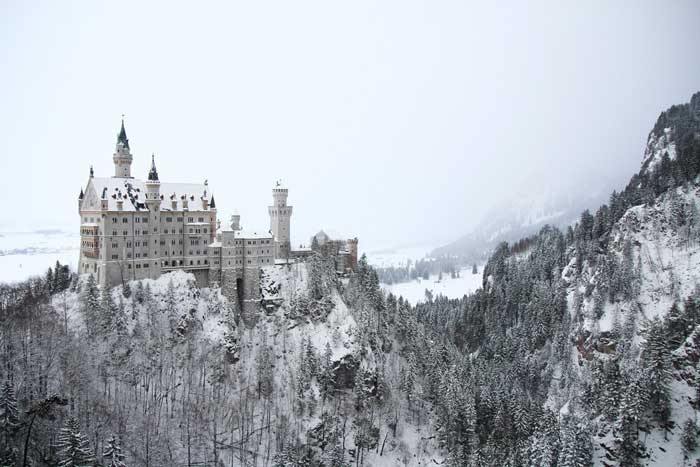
689, 437
108, 311
73, 447
577, 449
628, 448
657, 359
90, 301
326, 375
126, 290
113, 454
9, 425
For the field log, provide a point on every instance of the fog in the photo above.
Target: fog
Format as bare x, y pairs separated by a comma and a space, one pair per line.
399, 122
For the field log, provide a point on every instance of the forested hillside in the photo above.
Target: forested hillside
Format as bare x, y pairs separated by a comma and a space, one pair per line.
581, 348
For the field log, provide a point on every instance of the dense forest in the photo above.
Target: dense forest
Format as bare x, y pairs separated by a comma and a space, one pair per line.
581, 348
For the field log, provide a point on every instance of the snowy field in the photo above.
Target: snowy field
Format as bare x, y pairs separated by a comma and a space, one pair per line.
387, 257
414, 291
26, 254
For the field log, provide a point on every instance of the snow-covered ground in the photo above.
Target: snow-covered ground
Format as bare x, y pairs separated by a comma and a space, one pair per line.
397, 256
414, 291
26, 254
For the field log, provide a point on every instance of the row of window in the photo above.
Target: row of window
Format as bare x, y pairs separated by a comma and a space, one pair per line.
125, 220
180, 262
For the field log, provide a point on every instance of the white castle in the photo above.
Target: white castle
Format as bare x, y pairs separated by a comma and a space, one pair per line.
135, 229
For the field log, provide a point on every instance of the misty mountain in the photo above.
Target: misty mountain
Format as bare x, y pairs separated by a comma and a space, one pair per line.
529, 211
521, 217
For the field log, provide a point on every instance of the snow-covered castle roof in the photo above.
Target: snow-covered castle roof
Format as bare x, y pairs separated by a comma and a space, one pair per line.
132, 193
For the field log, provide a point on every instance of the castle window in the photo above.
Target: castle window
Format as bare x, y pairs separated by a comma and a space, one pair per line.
205, 230
191, 263
179, 219
137, 219
198, 262
128, 255
115, 245
129, 266
125, 220
114, 220
138, 266
165, 263
190, 219
168, 219
144, 220
114, 232
145, 265
206, 261
201, 219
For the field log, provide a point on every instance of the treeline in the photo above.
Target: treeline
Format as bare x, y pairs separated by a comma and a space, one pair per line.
420, 269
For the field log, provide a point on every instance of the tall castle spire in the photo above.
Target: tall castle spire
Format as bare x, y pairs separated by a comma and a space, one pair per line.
153, 174
122, 155
122, 136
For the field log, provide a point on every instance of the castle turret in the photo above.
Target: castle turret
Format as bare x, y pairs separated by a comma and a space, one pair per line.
122, 155
150, 230
280, 215
236, 221
153, 186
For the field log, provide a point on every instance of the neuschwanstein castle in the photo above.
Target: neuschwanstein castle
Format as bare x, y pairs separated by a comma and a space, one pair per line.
135, 229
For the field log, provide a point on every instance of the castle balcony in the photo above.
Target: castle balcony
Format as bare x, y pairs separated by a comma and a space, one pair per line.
89, 240
90, 249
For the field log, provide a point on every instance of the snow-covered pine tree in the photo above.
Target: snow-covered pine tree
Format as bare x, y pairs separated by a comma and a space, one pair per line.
90, 301
113, 453
73, 447
656, 357
9, 425
326, 377
108, 311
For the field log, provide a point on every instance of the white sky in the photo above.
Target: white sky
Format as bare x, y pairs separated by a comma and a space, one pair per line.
396, 121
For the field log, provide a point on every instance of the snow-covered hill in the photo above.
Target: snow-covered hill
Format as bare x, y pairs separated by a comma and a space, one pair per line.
264, 369
664, 247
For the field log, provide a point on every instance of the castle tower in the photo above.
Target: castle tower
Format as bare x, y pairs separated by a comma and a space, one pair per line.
280, 215
236, 221
153, 204
122, 155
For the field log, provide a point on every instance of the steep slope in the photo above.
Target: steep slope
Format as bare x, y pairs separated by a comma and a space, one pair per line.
583, 346
180, 378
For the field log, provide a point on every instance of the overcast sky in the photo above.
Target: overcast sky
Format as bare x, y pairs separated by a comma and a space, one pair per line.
396, 121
